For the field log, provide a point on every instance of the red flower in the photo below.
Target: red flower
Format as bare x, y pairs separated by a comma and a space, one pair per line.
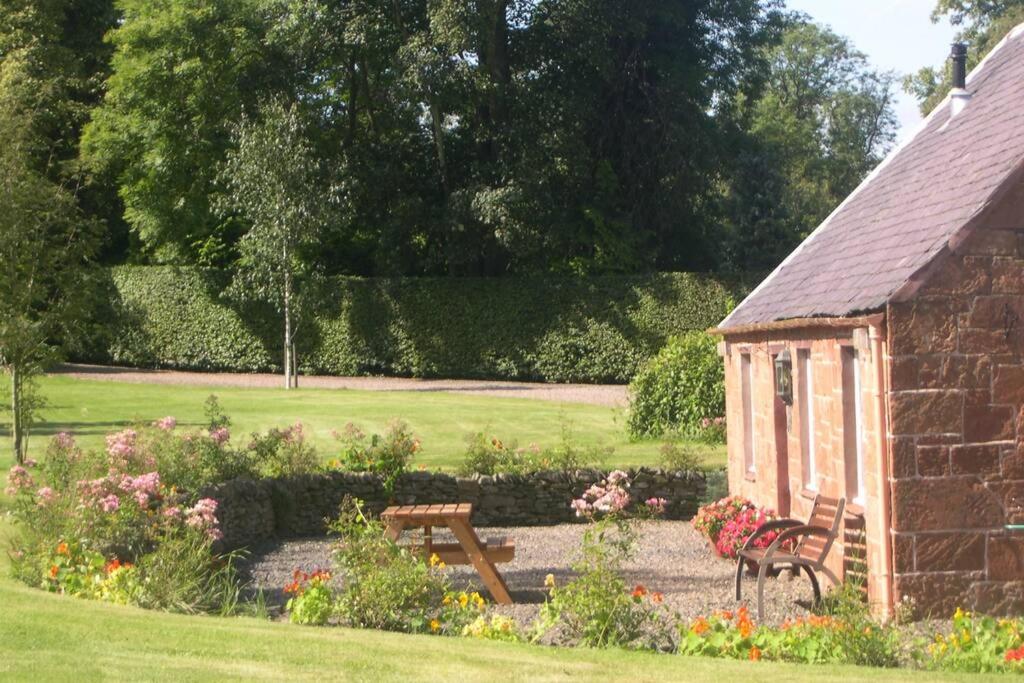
1015, 655
657, 598
53, 571
639, 591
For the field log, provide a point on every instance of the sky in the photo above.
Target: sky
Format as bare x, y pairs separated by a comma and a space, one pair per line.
896, 35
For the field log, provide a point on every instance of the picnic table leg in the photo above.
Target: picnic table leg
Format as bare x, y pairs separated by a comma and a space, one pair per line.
394, 530
484, 567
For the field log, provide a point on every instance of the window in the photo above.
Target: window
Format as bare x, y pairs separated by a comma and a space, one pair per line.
809, 465
853, 428
747, 381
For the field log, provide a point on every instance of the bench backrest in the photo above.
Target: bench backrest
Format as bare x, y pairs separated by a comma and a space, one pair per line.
826, 513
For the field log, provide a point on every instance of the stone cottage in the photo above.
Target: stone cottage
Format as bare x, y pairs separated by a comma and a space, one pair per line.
883, 360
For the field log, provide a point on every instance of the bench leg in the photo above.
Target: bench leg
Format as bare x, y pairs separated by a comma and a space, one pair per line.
762, 574
484, 567
740, 564
814, 584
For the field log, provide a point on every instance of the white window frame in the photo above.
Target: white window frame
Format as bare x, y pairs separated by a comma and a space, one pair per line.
858, 417
808, 454
747, 391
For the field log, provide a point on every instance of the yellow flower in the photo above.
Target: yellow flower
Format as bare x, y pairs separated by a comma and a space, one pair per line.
447, 600
549, 580
441, 565
463, 599
477, 600
435, 625
434, 559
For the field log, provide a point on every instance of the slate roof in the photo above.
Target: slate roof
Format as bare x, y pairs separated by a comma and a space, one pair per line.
907, 209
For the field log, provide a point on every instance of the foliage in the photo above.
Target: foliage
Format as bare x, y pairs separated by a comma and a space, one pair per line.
182, 72
488, 328
814, 120
284, 452
106, 527
384, 586
740, 528
44, 257
675, 456
712, 518
312, 600
976, 643
271, 180
497, 627
979, 24
388, 455
598, 608
678, 389
810, 640
491, 455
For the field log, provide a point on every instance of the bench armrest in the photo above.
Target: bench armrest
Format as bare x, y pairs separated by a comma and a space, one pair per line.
796, 532
770, 526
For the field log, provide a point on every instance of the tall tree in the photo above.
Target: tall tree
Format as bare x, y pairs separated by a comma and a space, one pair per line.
981, 24
809, 129
44, 254
274, 182
182, 72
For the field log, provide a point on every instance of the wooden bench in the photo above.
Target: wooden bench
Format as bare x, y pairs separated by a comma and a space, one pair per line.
468, 550
801, 546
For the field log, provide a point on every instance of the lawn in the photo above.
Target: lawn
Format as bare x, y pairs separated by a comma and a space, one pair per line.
90, 409
49, 637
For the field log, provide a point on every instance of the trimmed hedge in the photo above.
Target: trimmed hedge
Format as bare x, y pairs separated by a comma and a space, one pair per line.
559, 329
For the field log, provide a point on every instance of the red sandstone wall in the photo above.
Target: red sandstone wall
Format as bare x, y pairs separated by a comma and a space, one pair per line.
865, 526
957, 425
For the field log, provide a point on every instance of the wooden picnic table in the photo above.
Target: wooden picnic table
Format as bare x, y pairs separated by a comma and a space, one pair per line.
469, 549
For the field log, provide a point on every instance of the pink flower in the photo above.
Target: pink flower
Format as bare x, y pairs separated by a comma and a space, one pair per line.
29, 462
656, 505
18, 479
202, 515
220, 435
111, 503
64, 441
173, 512
166, 423
142, 498
45, 496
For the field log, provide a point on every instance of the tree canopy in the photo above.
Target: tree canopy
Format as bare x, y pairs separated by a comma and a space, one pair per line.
486, 138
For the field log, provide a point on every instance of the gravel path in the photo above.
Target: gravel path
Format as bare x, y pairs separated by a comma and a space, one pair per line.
671, 557
612, 395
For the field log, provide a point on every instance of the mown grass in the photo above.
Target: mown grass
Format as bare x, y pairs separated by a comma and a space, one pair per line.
46, 637
90, 409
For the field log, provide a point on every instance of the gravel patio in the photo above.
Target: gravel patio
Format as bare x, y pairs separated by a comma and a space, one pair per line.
671, 558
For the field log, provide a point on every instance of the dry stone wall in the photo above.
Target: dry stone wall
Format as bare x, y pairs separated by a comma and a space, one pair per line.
255, 511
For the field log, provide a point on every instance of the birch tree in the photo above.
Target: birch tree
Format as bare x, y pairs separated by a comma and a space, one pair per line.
274, 183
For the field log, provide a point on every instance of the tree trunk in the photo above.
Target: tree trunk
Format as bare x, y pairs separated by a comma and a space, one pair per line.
295, 367
287, 325
17, 434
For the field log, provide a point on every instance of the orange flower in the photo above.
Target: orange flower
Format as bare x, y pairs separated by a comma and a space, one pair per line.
657, 598
53, 571
639, 591
726, 614
62, 548
700, 626
745, 628
113, 565
755, 654
435, 625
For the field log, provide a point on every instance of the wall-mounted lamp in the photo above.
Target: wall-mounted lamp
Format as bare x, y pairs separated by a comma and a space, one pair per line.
784, 377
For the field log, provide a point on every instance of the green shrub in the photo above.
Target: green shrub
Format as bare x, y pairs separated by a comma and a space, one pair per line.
976, 644
678, 389
554, 328
384, 585
388, 455
312, 601
598, 608
183, 575
284, 452
490, 455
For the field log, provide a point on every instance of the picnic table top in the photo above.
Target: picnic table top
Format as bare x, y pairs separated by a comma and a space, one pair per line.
414, 513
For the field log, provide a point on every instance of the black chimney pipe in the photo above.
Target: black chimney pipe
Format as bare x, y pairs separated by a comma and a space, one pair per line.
959, 57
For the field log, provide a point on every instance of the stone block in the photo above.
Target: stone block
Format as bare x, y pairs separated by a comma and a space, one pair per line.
941, 504
950, 552
904, 457
927, 412
1006, 558
995, 312
933, 461
1000, 598
903, 553
936, 595
962, 275
975, 459
946, 371
1007, 276
923, 326
991, 242
905, 372
976, 341
984, 423
1008, 384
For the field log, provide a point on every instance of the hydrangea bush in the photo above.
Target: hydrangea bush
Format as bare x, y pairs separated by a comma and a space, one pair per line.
729, 522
